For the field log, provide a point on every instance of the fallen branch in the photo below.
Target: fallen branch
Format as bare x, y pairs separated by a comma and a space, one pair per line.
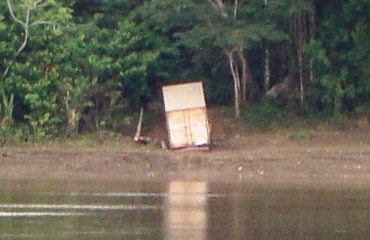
145, 140
139, 126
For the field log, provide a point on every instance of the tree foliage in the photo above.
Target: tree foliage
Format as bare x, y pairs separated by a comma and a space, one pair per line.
85, 65
341, 57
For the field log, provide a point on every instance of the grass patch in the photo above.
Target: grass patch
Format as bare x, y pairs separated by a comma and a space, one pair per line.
299, 136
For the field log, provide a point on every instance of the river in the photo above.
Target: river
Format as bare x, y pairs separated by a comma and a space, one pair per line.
180, 210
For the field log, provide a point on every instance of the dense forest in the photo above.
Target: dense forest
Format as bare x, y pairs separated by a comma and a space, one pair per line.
85, 65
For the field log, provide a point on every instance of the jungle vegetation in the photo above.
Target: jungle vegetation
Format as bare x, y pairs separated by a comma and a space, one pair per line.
68, 66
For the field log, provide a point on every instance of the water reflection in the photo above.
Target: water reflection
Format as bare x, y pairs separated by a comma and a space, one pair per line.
180, 210
80, 210
185, 211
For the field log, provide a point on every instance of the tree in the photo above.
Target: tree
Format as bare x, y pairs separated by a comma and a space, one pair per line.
233, 27
287, 58
340, 54
83, 73
110, 57
28, 25
46, 12
111, 67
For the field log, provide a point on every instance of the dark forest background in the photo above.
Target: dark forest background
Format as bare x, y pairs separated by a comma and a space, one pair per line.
89, 65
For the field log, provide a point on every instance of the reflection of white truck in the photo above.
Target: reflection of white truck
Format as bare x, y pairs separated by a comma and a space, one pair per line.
186, 116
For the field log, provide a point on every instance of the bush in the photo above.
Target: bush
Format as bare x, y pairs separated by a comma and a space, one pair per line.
262, 116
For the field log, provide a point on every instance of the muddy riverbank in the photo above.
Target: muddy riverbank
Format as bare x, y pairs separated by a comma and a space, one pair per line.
339, 158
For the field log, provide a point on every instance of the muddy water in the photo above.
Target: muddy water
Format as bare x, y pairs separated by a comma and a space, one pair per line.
180, 210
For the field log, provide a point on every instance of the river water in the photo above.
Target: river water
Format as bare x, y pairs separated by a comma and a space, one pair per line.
180, 210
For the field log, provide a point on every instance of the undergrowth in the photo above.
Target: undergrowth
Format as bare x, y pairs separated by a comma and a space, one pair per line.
263, 116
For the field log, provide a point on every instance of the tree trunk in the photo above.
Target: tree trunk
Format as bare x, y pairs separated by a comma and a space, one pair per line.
139, 125
300, 37
313, 35
236, 78
97, 118
235, 9
25, 26
246, 76
73, 117
267, 64
267, 70
302, 60
301, 84
242, 78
